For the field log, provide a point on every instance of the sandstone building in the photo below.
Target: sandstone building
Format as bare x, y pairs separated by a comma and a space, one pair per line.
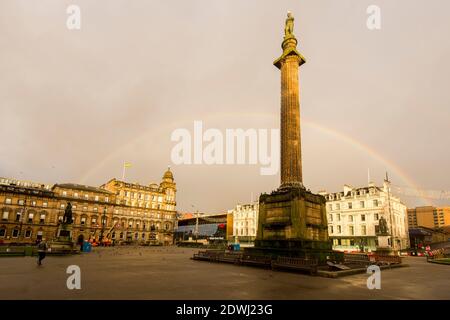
118, 211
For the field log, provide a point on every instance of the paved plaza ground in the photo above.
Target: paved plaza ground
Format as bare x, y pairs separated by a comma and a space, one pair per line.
168, 273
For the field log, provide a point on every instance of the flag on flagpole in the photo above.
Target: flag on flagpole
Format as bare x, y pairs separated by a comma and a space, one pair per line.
125, 165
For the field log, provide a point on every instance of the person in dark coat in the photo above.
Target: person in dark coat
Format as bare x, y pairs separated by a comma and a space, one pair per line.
42, 250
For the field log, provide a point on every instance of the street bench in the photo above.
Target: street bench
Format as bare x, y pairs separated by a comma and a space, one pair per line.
256, 260
297, 264
208, 255
357, 258
230, 257
386, 259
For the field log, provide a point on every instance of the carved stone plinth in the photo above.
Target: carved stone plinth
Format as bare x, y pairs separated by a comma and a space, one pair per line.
63, 243
292, 222
383, 246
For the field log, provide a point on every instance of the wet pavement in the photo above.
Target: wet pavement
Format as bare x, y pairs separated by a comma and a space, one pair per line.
168, 273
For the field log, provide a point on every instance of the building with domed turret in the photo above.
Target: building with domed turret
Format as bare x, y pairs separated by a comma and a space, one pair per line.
117, 211
144, 213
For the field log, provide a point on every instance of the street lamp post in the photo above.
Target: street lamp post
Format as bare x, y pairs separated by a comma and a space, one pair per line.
21, 237
196, 224
103, 226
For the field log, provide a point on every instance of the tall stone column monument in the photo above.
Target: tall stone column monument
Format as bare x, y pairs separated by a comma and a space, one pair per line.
292, 220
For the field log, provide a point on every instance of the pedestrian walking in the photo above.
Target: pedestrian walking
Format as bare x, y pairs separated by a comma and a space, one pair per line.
42, 250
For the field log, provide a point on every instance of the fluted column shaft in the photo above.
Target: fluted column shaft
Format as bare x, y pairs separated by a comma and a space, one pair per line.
291, 161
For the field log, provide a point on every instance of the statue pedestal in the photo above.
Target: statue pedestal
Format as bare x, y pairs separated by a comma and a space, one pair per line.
64, 232
292, 222
383, 245
63, 244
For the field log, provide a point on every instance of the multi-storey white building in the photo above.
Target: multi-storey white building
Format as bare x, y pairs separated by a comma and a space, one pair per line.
353, 218
245, 222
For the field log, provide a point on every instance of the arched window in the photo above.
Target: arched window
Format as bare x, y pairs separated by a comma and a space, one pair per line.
15, 233
42, 217
5, 215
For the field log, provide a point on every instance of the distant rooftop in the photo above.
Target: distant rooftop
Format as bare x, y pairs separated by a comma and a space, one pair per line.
81, 187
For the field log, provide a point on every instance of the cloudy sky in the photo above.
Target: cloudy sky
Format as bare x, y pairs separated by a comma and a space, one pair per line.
76, 104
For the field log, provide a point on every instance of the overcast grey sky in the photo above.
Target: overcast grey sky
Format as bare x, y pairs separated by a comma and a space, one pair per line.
76, 104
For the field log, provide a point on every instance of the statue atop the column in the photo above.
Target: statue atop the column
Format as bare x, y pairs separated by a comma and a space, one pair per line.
382, 226
67, 219
289, 28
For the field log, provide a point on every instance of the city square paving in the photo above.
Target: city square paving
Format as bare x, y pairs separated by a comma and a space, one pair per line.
169, 273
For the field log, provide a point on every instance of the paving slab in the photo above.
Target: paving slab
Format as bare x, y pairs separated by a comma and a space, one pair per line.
169, 273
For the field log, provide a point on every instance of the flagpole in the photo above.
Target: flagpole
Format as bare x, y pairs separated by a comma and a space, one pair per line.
123, 172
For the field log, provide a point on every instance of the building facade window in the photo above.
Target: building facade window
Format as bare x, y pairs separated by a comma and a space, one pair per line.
350, 205
15, 233
363, 230
5, 215
8, 201
363, 217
